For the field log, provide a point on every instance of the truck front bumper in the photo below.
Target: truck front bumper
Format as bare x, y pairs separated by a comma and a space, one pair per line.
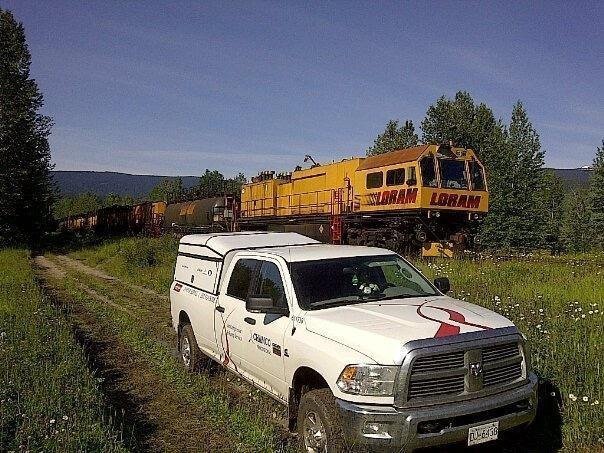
385, 427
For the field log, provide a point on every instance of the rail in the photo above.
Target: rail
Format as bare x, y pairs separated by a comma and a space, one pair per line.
327, 201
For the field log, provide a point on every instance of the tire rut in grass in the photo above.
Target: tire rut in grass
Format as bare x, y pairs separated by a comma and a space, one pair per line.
154, 412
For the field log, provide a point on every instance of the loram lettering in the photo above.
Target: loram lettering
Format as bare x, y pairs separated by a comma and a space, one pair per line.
368, 353
402, 196
454, 200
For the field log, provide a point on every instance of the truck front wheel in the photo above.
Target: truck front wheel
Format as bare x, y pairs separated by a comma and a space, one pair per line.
319, 423
190, 353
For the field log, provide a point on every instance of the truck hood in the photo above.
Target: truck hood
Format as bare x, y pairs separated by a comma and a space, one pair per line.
380, 329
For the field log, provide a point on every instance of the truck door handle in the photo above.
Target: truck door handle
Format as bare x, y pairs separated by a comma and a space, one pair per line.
220, 309
251, 321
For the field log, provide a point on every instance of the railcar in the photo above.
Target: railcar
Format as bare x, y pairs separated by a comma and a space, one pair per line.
429, 198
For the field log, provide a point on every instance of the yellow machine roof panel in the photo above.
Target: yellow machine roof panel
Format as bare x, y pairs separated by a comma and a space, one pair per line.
393, 157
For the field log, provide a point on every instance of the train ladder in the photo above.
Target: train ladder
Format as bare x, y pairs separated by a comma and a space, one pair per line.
336, 217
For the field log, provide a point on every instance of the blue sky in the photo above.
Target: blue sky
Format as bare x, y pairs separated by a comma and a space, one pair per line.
177, 87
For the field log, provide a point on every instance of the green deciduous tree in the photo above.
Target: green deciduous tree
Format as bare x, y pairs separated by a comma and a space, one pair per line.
394, 137
26, 191
168, 189
451, 120
596, 199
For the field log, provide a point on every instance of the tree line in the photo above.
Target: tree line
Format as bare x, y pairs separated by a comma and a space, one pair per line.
210, 184
529, 207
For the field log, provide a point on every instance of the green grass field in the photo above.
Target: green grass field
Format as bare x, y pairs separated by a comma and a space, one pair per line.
49, 400
557, 302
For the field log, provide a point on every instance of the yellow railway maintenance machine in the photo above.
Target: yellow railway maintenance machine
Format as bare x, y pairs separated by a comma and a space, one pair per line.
429, 197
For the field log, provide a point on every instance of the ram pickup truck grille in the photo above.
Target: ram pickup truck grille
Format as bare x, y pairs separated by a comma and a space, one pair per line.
458, 373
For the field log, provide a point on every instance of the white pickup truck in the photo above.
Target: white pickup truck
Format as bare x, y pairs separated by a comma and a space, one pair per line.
361, 347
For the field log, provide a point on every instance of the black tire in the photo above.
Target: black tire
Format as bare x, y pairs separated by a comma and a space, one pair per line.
320, 405
190, 354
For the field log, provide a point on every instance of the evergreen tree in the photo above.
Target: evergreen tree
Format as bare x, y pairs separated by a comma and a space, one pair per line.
596, 199
527, 226
575, 235
394, 137
552, 195
26, 191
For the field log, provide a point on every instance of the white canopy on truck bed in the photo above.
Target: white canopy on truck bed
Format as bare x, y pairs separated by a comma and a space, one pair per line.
201, 256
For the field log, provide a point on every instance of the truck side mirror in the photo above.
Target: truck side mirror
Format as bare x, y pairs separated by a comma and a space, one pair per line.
264, 305
442, 284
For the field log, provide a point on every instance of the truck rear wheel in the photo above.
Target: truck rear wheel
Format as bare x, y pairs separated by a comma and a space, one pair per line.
190, 354
319, 423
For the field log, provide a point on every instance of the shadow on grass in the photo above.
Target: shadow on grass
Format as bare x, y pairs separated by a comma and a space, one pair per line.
122, 407
543, 435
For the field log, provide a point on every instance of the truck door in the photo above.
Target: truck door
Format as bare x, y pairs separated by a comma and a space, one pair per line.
229, 313
265, 351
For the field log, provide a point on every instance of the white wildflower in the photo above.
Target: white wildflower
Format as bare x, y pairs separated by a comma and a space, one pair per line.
572, 397
585, 399
52, 421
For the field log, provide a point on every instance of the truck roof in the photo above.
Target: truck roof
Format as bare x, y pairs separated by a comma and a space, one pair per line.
290, 246
314, 252
223, 243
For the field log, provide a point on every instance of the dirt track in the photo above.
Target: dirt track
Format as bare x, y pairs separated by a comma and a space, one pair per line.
156, 416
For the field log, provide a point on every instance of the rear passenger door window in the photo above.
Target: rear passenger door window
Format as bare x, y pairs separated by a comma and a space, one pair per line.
242, 278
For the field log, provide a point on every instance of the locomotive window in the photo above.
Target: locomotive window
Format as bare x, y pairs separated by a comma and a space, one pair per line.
477, 175
241, 278
395, 177
428, 172
453, 174
375, 180
412, 178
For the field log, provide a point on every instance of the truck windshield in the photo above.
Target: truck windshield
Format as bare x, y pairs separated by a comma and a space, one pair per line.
350, 280
453, 174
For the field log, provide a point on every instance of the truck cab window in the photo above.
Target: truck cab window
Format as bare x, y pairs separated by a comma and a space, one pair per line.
375, 180
453, 174
270, 284
241, 278
428, 172
476, 175
395, 177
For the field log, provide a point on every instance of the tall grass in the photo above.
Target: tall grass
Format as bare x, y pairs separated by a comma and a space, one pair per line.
144, 261
49, 401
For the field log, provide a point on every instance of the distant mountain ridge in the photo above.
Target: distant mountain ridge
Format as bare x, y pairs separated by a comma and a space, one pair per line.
574, 178
103, 183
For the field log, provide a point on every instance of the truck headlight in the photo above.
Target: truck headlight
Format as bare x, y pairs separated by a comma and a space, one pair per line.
374, 380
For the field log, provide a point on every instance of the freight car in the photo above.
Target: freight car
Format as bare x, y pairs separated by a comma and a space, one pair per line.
429, 197
144, 218
208, 214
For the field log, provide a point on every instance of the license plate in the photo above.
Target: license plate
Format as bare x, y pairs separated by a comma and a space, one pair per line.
483, 433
